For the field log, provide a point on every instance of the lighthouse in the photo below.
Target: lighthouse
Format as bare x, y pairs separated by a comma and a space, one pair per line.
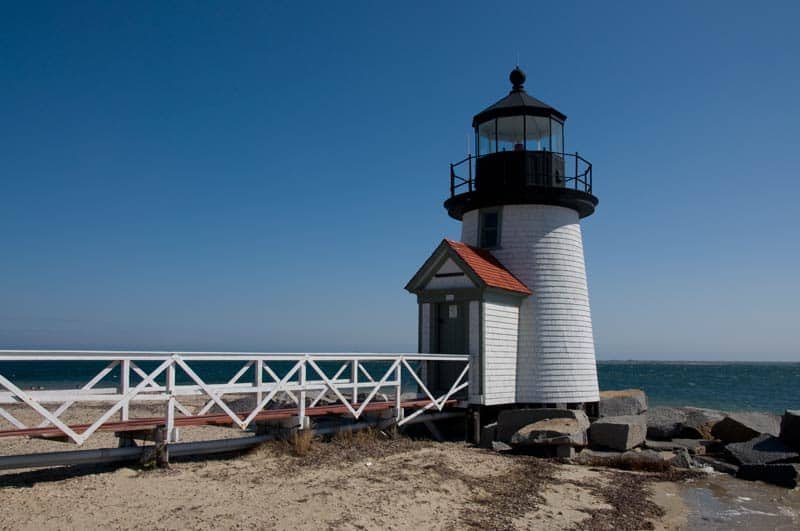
512, 293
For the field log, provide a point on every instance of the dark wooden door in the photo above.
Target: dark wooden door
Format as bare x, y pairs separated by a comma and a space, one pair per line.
451, 336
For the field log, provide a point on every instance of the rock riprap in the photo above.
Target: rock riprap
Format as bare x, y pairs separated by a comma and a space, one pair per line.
618, 433
741, 427
762, 450
699, 422
623, 402
664, 423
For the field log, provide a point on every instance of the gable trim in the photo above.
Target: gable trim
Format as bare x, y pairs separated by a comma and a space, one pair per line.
491, 267
434, 262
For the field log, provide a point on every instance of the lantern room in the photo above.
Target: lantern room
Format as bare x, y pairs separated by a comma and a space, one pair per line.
520, 155
519, 122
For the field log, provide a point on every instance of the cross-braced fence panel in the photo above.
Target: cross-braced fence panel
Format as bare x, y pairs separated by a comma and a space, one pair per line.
200, 387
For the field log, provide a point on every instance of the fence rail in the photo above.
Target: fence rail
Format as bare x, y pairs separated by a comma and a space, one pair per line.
296, 383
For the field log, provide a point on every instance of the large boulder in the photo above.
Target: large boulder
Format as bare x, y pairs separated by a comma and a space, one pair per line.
509, 421
699, 422
763, 450
624, 402
664, 423
618, 433
551, 432
783, 474
741, 427
790, 428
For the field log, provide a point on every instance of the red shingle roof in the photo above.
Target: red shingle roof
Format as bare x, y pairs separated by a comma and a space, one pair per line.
488, 268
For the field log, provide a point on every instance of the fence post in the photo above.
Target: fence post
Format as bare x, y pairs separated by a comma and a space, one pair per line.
259, 380
170, 435
576, 170
398, 409
354, 370
125, 386
301, 406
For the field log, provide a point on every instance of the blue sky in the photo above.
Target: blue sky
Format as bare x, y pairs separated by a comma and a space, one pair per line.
268, 176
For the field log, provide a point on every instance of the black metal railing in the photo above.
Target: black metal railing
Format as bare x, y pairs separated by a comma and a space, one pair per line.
521, 168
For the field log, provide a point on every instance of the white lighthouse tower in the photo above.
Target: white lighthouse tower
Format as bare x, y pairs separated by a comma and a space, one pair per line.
513, 293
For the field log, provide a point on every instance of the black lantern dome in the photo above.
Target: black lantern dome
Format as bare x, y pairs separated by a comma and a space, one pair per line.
520, 159
517, 103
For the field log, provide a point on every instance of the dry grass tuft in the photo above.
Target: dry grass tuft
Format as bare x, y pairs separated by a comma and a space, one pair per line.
359, 439
300, 442
340, 449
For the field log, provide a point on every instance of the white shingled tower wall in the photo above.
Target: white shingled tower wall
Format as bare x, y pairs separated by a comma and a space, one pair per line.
542, 246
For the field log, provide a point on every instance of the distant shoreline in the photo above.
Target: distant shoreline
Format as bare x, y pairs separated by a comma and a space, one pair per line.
687, 362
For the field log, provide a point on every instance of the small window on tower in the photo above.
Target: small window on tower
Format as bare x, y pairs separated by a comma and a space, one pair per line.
490, 229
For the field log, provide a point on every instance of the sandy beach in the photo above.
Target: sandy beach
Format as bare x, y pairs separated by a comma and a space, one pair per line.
392, 484
371, 480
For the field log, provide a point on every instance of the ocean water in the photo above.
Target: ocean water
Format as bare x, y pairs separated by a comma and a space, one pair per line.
771, 387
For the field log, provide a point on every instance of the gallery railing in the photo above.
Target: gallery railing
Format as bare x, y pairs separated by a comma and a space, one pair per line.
521, 168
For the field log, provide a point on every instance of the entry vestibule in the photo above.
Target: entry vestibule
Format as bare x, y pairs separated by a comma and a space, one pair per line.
469, 304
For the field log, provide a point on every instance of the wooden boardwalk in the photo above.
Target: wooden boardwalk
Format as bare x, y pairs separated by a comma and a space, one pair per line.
222, 419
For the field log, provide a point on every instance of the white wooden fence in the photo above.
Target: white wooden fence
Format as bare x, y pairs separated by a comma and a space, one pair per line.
303, 380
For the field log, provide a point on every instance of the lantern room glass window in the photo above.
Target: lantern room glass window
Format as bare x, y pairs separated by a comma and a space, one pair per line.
487, 139
556, 136
511, 133
520, 133
537, 133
